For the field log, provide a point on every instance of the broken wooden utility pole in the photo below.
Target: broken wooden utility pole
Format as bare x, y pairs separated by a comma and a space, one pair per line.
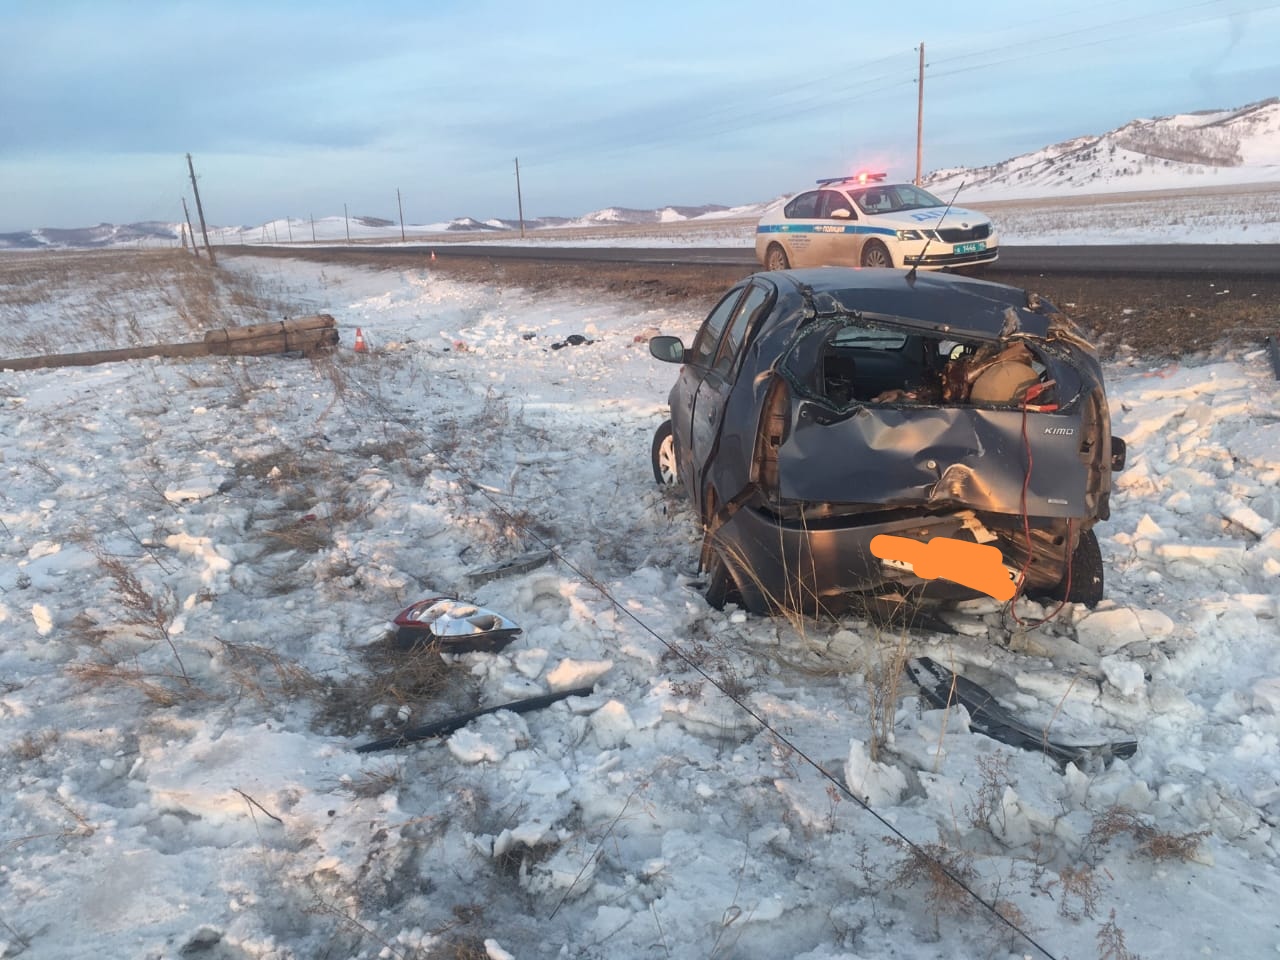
401, 208
190, 233
305, 335
347, 220
200, 212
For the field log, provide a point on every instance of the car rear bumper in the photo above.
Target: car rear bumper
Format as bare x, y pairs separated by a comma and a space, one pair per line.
777, 564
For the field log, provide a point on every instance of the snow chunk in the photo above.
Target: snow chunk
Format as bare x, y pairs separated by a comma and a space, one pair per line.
611, 724
492, 738
1214, 554
1110, 630
1266, 695
197, 488
1259, 446
44, 620
1125, 675
577, 673
43, 548
201, 548
880, 784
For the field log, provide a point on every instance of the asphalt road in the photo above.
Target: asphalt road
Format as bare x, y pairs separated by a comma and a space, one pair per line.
1219, 260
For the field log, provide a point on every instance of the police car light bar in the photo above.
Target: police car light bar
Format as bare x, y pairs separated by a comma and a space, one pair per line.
855, 178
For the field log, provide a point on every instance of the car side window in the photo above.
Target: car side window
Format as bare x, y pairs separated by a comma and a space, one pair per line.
803, 207
829, 202
704, 345
756, 298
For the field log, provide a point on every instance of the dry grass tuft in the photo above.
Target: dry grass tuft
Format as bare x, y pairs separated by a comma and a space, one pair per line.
942, 872
266, 676
151, 613
32, 746
1120, 821
1080, 892
161, 689
397, 678
993, 771
1111, 945
374, 782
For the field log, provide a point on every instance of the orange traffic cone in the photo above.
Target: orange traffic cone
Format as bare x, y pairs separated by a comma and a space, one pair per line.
361, 346
433, 256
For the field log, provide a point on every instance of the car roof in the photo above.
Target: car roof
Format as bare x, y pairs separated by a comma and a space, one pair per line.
942, 302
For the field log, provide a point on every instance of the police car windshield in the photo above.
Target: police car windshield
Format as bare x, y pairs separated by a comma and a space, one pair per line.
893, 198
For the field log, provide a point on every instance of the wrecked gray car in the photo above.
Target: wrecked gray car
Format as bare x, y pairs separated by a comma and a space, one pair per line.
817, 409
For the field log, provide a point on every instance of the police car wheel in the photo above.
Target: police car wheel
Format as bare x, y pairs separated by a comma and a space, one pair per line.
874, 254
775, 258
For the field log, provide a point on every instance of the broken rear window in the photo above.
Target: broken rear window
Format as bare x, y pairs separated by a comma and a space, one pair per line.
843, 362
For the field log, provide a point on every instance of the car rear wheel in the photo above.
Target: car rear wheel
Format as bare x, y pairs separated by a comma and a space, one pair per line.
721, 588
875, 254
663, 455
775, 258
1086, 574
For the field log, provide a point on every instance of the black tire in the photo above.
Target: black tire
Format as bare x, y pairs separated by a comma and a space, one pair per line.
663, 456
721, 588
775, 258
1086, 574
876, 255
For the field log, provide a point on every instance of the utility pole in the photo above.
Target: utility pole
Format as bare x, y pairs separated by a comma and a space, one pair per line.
347, 220
200, 211
519, 200
313, 228
288, 222
187, 213
920, 118
401, 207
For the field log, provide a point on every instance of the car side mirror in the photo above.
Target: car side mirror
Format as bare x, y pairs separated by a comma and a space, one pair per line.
841, 214
667, 349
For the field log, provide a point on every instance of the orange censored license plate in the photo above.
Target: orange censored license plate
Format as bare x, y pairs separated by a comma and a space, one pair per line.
973, 565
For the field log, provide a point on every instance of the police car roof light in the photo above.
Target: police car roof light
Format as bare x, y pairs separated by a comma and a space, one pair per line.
854, 178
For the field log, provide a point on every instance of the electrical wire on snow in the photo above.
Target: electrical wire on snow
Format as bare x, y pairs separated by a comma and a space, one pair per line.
989, 906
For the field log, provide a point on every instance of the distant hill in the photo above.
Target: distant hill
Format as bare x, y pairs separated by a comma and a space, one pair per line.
103, 235
1210, 148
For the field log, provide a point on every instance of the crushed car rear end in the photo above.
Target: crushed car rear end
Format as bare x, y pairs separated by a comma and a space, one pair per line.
917, 406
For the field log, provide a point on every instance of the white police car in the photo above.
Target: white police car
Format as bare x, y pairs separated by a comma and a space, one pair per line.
860, 221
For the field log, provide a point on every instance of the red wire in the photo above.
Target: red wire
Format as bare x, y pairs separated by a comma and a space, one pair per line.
1034, 391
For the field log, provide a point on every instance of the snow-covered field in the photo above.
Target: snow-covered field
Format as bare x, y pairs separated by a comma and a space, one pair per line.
200, 558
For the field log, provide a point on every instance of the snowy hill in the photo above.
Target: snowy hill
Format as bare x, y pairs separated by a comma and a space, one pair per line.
1206, 149
102, 235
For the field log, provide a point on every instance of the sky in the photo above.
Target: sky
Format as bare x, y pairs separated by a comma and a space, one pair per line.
293, 109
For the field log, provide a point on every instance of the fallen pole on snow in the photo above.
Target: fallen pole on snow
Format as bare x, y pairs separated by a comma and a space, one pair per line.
305, 335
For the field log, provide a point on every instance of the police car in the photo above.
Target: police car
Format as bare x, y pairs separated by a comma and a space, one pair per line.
861, 221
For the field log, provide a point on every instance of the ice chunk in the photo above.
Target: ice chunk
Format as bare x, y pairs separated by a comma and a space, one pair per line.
569, 674
1259, 446
611, 724
1125, 675
880, 784
1110, 630
44, 620
1266, 694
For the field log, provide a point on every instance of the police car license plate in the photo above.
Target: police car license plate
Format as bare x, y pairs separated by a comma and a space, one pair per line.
969, 247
